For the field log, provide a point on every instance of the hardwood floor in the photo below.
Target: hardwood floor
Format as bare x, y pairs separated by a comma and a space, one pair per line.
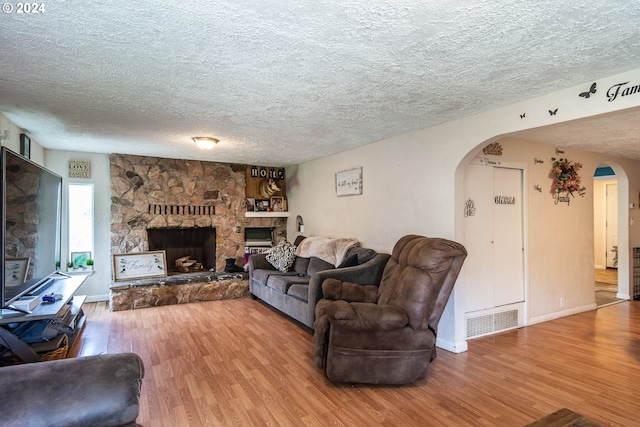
606, 286
238, 363
609, 275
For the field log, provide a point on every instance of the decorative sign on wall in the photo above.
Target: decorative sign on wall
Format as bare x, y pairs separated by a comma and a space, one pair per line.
469, 208
79, 169
265, 182
587, 94
565, 180
620, 90
349, 182
137, 265
504, 200
494, 148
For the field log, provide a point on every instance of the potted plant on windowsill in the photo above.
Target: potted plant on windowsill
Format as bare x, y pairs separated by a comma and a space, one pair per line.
89, 264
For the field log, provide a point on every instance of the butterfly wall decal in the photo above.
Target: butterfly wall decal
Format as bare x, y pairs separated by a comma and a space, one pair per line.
591, 91
522, 115
553, 112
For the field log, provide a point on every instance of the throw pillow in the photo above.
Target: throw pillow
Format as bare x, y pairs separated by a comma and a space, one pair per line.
349, 262
282, 256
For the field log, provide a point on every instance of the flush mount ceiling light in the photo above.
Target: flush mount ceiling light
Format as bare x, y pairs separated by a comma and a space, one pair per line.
205, 142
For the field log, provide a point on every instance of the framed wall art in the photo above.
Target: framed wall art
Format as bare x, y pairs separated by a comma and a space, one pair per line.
79, 259
277, 204
25, 145
349, 182
262, 205
138, 265
15, 271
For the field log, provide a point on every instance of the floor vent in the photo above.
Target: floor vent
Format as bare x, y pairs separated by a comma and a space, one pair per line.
489, 323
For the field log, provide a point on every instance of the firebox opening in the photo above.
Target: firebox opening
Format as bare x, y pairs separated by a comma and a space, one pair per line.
198, 244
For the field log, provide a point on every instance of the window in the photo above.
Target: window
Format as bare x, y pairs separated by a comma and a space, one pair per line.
80, 218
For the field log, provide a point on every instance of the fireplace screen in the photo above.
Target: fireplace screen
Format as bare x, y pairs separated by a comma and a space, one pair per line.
198, 244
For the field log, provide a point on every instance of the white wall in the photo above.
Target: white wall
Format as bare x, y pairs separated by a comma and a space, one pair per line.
37, 152
413, 184
96, 287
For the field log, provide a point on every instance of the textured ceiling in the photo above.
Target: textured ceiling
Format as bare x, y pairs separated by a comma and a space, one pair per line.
283, 82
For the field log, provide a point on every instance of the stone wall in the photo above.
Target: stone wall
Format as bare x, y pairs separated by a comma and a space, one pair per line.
149, 192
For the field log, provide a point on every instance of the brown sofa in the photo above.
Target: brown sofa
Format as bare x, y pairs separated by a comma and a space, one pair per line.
296, 292
385, 332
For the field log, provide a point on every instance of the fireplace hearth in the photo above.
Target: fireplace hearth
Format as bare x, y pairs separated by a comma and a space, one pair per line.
196, 243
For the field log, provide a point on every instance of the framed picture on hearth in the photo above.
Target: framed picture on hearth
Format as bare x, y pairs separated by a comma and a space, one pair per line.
138, 265
15, 271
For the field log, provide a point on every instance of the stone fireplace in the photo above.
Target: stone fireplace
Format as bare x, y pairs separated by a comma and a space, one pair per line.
158, 193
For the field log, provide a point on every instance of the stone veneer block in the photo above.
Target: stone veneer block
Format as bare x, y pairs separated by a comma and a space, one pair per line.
178, 289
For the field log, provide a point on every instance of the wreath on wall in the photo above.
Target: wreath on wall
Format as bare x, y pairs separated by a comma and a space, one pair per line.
565, 177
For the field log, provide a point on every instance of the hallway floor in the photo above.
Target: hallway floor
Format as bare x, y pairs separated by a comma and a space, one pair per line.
606, 287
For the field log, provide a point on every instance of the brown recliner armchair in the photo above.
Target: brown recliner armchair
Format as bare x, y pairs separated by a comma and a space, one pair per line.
386, 334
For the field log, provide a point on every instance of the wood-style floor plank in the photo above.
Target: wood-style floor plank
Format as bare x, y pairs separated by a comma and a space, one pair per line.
239, 363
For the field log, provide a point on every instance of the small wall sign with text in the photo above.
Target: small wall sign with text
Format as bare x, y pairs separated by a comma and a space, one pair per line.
504, 200
349, 182
137, 265
79, 169
469, 208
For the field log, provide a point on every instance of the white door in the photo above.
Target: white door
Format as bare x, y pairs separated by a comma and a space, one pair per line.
493, 226
478, 231
507, 236
612, 225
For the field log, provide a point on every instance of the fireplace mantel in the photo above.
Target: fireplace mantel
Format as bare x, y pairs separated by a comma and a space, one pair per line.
266, 214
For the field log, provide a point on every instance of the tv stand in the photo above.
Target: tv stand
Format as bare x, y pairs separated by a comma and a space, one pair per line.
66, 287
19, 310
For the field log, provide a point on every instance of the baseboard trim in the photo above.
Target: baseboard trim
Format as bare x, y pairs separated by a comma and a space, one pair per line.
97, 298
563, 313
459, 347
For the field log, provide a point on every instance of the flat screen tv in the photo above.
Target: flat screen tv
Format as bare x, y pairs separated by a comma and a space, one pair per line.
31, 212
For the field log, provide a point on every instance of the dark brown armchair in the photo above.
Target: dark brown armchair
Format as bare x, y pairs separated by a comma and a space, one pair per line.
386, 334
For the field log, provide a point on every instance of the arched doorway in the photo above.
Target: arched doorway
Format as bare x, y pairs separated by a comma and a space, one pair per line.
606, 235
611, 235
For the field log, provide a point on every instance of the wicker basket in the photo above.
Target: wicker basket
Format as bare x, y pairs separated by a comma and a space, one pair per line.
58, 353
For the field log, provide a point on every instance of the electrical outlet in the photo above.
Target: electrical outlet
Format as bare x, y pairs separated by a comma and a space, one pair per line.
561, 302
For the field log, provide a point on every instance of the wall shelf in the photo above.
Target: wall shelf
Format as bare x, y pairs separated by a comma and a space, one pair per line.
266, 214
